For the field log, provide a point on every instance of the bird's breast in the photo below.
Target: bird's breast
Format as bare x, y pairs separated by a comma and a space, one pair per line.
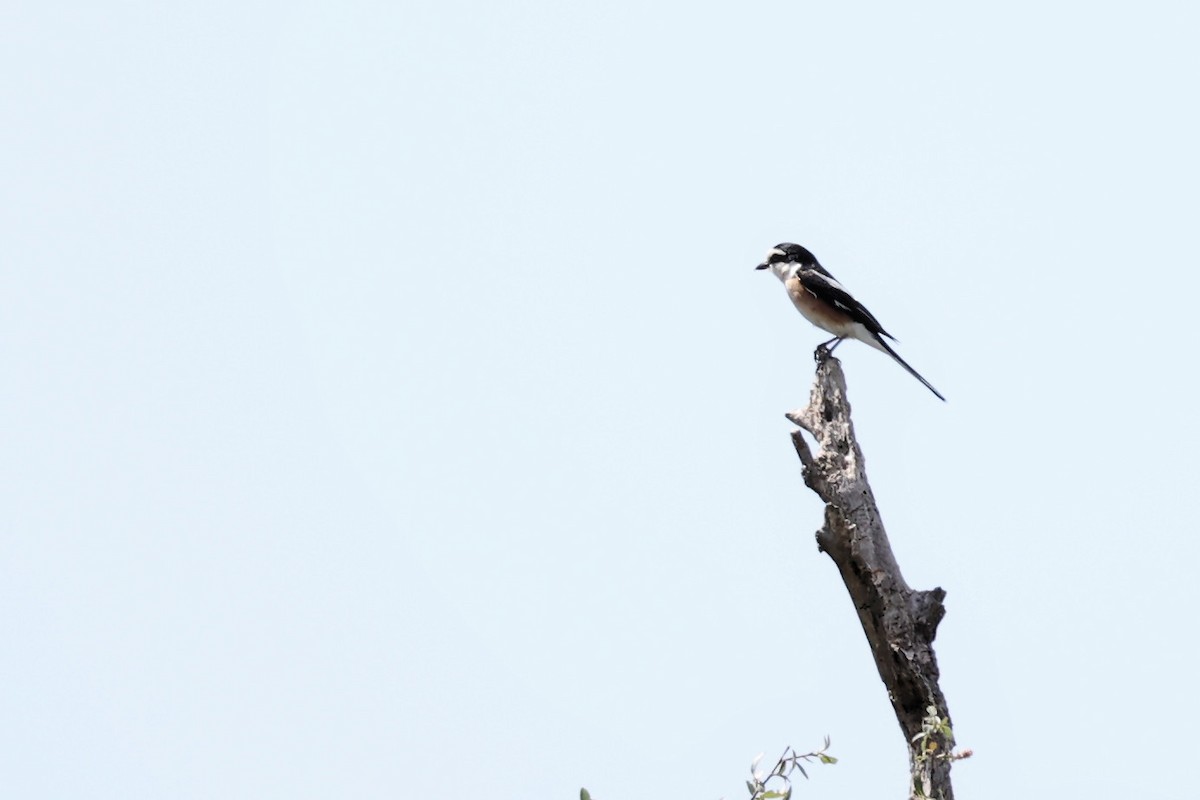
818, 312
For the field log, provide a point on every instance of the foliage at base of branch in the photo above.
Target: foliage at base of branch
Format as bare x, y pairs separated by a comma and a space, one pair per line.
936, 735
933, 742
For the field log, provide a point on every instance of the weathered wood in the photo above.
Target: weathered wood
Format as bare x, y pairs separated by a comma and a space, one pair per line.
900, 622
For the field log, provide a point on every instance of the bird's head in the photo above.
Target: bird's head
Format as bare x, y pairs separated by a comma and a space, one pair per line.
783, 256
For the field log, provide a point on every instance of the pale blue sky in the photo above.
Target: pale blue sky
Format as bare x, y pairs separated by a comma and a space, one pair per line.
390, 407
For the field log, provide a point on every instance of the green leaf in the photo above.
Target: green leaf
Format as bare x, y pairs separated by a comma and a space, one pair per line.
826, 759
584, 794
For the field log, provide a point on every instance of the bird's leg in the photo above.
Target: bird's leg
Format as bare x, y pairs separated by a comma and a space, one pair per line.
825, 349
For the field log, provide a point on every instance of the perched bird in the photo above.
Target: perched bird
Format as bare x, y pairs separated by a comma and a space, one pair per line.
825, 303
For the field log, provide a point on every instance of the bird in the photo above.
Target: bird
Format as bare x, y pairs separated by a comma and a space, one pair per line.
825, 303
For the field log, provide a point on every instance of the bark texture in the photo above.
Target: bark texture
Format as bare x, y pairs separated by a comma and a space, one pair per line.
900, 622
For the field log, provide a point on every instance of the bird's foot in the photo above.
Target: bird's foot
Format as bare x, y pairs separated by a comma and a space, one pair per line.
825, 349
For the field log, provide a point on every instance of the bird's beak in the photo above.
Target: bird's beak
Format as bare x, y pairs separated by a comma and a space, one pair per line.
763, 265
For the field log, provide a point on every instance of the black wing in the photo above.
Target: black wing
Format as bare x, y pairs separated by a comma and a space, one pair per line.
823, 286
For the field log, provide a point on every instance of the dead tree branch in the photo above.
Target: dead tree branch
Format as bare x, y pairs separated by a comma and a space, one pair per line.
900, 622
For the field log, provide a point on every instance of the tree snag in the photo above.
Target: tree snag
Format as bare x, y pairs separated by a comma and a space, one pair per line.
900, 623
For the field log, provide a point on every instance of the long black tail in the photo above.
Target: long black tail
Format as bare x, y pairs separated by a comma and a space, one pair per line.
911, 371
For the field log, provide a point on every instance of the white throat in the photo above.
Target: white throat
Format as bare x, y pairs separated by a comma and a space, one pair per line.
783, 270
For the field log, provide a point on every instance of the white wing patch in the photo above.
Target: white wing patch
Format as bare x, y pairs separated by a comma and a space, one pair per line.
827, 280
